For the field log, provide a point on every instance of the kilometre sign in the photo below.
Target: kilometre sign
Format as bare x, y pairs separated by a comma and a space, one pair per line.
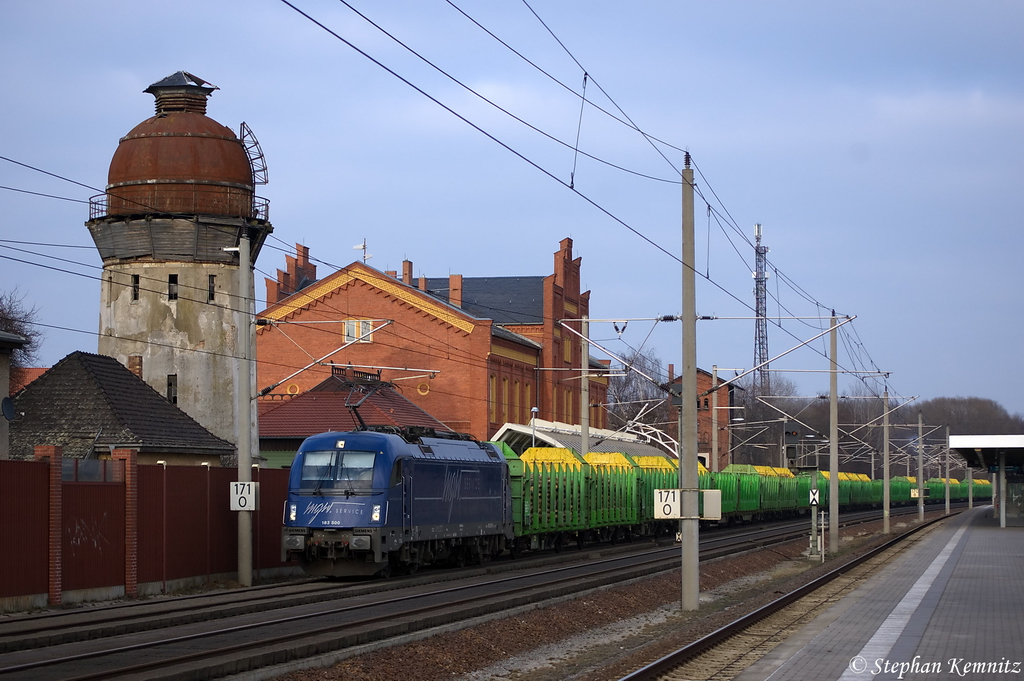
666, 504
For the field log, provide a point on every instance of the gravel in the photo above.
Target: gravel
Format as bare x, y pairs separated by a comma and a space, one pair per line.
603, 634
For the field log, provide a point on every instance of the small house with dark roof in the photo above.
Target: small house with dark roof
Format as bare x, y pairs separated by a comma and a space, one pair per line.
9, 342
475, 352
347, 400
87, 404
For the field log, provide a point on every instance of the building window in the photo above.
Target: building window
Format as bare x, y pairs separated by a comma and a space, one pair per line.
517, 410
492, 398
172, 388
504, 400
211, 292
567, 350
354, 328
135, 287
568, 406
172, 287
528, 402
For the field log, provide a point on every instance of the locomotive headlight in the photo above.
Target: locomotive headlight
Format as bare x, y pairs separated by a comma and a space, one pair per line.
292, 512
375, 515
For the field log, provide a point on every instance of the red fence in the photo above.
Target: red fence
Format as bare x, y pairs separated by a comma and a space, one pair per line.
93, 535
24, 503
153, 525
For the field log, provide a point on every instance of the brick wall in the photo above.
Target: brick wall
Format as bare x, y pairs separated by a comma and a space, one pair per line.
55, 522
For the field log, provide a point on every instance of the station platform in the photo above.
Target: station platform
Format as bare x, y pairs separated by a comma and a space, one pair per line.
951, 607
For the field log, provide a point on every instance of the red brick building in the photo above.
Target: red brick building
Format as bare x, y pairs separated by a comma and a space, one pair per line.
705, 425
474, 352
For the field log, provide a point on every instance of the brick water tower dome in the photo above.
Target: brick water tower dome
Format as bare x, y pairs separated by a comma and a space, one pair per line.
179, 196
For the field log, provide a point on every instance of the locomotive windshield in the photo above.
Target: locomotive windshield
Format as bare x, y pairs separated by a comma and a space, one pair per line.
341, 470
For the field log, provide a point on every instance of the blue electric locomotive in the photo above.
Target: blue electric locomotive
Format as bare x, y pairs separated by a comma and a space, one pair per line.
372, 501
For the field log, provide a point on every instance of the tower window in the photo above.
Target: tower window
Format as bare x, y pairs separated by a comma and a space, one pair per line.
135, 287
211, 292
172, 388
172, 287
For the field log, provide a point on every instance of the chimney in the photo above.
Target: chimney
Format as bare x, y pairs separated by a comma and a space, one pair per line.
423, 283
181, 92
135, 364
671, 373
407, 272
455, 290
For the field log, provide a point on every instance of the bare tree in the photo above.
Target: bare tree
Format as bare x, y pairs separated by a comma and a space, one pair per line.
759, 435
21, 320
969, 416
632, 398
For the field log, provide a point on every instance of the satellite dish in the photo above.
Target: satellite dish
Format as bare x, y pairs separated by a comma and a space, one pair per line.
7, 405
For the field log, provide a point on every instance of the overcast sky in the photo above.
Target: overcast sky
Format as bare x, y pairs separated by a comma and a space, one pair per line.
878, 143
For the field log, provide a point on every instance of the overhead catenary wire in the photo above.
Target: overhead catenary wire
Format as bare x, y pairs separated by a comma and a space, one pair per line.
709, 210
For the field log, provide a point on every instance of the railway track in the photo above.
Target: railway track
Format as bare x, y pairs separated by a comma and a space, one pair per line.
727, 651
231, 632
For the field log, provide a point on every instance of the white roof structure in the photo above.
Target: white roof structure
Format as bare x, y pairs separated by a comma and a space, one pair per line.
982, 451
557, 434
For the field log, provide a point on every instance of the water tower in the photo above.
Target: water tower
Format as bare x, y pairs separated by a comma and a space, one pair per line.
180, 195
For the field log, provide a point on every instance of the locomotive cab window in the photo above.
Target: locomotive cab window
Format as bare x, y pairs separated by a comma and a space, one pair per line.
356, 467
317, 467
349, 470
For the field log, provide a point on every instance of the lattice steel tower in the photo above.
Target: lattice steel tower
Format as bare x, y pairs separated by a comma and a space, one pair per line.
761, 304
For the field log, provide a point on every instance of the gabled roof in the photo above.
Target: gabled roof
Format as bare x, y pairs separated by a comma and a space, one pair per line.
87, 403
506, 300
358, 272
325, 407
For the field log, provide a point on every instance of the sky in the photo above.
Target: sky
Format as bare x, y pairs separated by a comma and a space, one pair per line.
879, 144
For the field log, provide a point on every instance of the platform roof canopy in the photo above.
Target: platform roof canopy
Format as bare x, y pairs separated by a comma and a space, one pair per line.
982, 451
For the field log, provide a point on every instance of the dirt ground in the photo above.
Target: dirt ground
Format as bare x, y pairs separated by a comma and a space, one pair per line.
602, 634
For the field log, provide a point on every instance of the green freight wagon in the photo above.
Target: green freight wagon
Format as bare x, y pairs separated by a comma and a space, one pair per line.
844, 487
748, 482
937, 490
655, 472
614, 490
557, 503
877, 489
899, 490
982, 489
729, 485
860, 489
